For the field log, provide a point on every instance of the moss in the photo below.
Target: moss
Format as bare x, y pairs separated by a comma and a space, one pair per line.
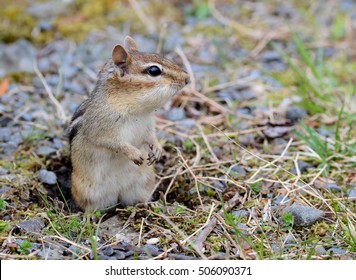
15, 23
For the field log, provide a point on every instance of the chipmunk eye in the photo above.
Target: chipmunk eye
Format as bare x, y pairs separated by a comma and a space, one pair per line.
154, 71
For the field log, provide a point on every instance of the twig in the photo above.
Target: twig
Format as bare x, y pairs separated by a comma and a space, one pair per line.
187, 65
212, 223
60, 111
206, 141
140, 235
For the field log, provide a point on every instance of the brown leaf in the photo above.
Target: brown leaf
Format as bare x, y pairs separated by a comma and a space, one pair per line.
4, 85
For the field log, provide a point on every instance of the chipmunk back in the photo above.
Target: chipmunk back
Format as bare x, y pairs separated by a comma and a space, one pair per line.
112, 133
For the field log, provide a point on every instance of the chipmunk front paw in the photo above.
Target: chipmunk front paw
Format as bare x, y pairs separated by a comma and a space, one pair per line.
134, 154
154, 152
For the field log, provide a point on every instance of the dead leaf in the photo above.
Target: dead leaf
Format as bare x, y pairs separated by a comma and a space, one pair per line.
4, 85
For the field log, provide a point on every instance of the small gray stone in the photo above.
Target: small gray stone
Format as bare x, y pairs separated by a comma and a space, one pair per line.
57, 143
17, 57
47, 177
270, 56
26, 117
186, 124
352, 192
302, 166
303, 216
101, 256
240, 213
118, 255
75, 250
325, 132
289, 239
4, 189
243, 229
32, 225
246, 139
3, 171
16, 138
337, 251
45, 151
319, 250
5, 134
108, 251
238, 169
281, 199
295, 113
9, 147
151, 248
175, 114
332, 187
219, 185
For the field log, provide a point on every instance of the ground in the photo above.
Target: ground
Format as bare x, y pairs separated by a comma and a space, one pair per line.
258, 152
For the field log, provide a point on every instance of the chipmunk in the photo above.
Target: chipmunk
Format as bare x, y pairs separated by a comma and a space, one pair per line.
112, 133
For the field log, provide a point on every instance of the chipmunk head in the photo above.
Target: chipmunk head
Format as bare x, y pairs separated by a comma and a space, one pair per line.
142, 81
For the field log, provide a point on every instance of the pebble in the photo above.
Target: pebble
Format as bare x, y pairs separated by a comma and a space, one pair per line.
303, 216
17, 57
175, 114
243, 228
152, 241
289, 239
269, 56
186, 124
324, 132
5, 134
247, 139
337, 251
9, 147
51, 254
108, 251
281, 199
118, 255
240, 213
295, 113
302, 166
238, 169
151, 248
3, 171
32, 225
47, 177
319, 250
57, 143
45, 151
332, 187
352, 192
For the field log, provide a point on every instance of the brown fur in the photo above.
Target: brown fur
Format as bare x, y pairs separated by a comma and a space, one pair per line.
112, 137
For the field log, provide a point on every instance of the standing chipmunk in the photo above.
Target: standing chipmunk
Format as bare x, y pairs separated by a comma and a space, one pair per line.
112, 133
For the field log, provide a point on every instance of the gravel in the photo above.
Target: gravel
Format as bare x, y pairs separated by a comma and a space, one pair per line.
32, 225
175, 114
337, 251
352, 192
304, 216
302, 166
332, 187
320, 250
237, 169
45, 151
295, 113
47, 177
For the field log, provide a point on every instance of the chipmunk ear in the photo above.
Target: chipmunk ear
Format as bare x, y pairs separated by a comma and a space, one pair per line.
130, 44
119, 55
